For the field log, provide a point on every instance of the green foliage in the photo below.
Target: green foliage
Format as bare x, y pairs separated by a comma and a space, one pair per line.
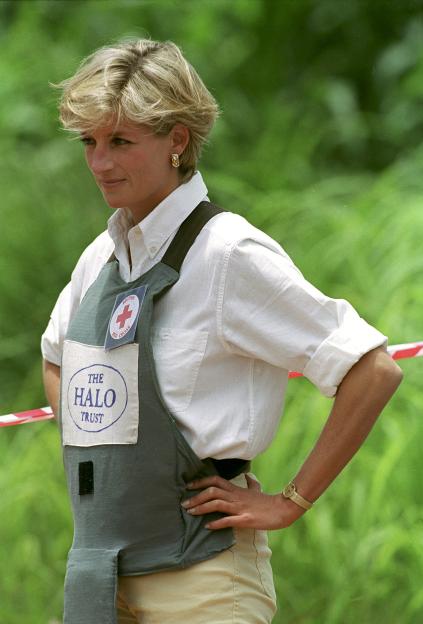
319, 145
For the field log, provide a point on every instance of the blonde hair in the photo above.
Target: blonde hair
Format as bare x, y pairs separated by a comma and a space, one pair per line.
143, 82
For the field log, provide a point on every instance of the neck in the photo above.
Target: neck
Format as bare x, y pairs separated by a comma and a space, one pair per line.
141, 209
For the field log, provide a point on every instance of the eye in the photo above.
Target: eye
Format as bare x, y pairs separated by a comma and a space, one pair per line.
87, 140
119, 141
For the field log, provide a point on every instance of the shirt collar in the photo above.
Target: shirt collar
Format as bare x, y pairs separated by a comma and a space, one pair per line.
164, 220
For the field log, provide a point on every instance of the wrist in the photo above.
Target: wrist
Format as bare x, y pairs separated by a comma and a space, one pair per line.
289, 512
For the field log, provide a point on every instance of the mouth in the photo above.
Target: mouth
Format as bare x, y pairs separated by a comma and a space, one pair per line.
109, 184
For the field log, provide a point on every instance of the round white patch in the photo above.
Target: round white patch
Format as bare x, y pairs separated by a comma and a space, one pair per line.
124, 317
97, 397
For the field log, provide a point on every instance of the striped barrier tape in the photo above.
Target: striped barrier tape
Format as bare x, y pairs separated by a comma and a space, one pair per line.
397, 352
20, 418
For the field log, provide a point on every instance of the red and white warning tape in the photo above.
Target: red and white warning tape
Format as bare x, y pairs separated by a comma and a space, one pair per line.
397, 352
409, 350
20, 418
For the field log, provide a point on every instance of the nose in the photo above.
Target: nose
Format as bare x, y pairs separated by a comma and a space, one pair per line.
99, 160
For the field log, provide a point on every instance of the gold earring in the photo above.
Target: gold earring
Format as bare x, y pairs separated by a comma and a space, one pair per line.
174, 158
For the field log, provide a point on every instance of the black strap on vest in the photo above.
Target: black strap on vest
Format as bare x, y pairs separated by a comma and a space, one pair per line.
230, 468
188, 232
174, 256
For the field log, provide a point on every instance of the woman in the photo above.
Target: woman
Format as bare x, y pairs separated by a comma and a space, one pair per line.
172, 344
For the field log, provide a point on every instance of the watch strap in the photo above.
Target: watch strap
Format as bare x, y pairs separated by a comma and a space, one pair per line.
290, 491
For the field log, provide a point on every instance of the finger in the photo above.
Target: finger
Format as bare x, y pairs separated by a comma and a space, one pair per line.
214, 480
213, 506
253, 484
211, 493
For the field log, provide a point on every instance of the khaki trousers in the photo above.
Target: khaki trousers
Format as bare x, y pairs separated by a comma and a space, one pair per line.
235, 587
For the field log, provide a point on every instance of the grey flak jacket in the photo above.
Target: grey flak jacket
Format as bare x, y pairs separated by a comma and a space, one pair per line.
126, 462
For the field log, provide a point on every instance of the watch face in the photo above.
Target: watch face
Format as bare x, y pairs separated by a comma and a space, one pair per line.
289, 490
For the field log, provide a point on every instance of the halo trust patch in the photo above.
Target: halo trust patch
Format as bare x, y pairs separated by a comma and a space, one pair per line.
99, 395
124, 318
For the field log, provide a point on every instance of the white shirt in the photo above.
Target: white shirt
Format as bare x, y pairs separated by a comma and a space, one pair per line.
227, 333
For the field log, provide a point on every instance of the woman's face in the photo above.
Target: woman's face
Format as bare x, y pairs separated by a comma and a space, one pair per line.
132, 166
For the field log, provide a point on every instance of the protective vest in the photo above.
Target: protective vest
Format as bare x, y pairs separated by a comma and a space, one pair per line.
126, 462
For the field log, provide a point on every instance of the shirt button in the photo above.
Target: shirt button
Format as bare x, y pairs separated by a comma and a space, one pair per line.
153, 250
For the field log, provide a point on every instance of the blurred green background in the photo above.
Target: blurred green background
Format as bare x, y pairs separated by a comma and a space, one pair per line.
319, 144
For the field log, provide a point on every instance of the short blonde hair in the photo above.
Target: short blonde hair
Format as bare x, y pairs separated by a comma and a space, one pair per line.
143, 82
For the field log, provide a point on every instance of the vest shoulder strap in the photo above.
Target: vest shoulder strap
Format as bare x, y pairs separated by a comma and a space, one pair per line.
188, 232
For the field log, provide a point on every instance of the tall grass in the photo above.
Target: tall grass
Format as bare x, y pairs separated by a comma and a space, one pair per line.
35, 525
358, 555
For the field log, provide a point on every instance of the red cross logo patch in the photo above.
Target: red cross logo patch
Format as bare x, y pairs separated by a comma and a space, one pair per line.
124, 317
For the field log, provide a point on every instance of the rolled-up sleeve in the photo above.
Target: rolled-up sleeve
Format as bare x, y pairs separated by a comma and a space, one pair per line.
268, 311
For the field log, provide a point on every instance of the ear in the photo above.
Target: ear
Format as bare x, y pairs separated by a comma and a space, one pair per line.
179, 138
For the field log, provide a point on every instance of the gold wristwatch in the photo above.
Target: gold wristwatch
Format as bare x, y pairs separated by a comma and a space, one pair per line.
290, 491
